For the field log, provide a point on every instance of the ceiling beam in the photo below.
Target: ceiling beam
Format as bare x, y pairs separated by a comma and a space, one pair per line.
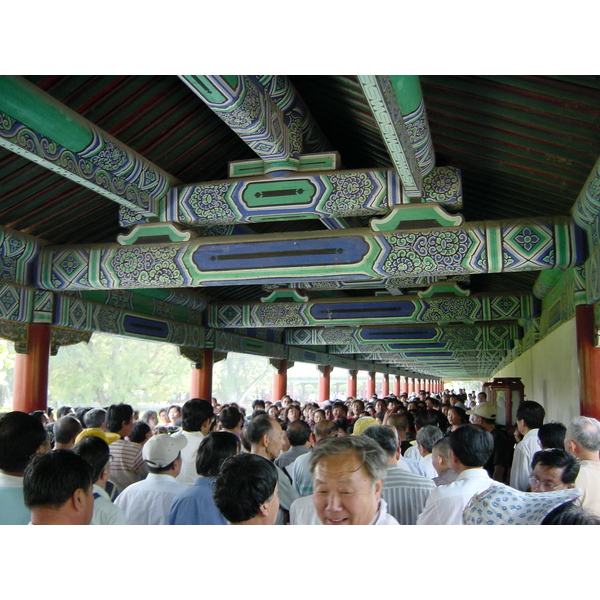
330, 195
374, 311
35, 125
354, 254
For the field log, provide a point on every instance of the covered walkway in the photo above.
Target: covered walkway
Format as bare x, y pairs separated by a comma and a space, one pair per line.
422, 229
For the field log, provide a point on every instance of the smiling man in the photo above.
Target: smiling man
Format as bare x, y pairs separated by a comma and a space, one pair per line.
348, 476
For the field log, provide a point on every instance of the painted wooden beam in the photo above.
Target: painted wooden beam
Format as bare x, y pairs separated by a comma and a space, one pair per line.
382, 100
38, 127
374, 311
348, 255
331, 195
405, 334
246, 107
18, 253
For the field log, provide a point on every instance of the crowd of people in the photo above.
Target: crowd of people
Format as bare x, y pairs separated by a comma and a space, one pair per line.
425, 459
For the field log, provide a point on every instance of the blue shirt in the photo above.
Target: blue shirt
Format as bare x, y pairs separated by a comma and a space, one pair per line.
195, 505
12, 506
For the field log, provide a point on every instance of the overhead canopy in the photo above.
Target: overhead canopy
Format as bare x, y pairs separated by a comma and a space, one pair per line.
390, 223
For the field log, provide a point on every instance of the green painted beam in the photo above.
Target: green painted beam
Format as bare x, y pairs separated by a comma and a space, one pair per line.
38, 127
343, 255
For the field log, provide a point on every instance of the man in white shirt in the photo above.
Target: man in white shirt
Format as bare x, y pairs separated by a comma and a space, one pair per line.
530, 417
148, 502
426, 438
582, 440
470, 448
196, 419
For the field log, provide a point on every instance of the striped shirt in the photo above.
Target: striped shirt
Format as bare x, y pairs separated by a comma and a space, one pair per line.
406, 494
128, 465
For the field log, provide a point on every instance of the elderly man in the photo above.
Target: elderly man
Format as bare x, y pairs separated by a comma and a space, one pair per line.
265, 437
426, 438
95, 425
148, 502
530, 417
553, 469
582, 440
245, 491
21, 437
57, 488
404, 492
470, 448
348, 477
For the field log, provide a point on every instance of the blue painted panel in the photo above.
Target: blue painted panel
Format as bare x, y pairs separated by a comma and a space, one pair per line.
370, 310
280, 253
427, 354
417, 346
420, 333
147, 327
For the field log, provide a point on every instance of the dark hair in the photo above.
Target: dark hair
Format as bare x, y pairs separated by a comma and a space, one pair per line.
298, 433
472, 445
194, 413
116, 415
216, 447
62, 411
339, 404
230, 417
139, 431
20, 436
95, 451
400, 421
258, 404
40, 415
552, 435
52, 478
384, 436
532, 413
570, 513
245, 482
561, 459
461, 412
426, 417
81, 411
257, 428
66, 428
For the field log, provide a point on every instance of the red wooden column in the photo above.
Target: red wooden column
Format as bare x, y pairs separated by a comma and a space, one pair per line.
31, 370
279, 378
324, 382
202, 372
352, 376
404, 385
371, 379
411, 385
385, 385
589, 362
396, 385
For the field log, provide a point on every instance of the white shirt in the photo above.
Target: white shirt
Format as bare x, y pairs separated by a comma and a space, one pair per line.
303, 512
148, 502
427, 462
446, 503
105, 512
188, 474
521, 464
413, 452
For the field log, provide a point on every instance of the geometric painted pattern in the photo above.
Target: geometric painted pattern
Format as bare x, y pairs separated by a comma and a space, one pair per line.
17, 255
104, 166
377, 311
358, 254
